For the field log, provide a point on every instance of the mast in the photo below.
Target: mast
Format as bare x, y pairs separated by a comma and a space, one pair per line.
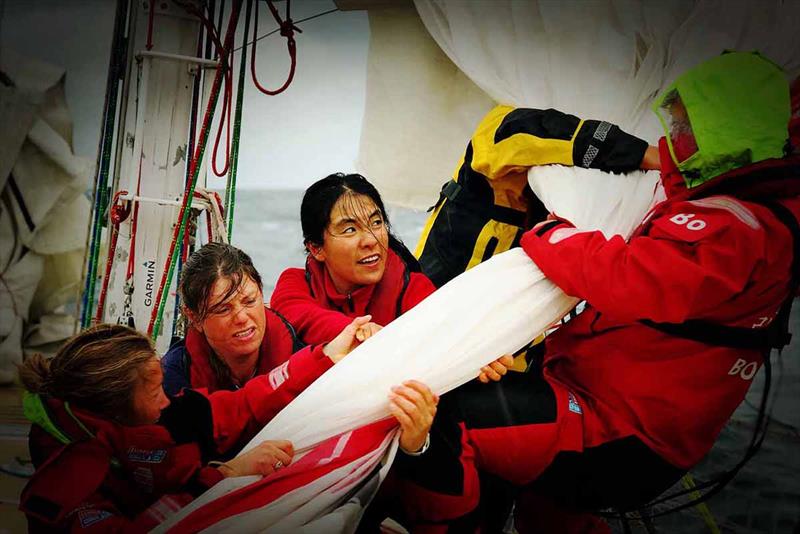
150, 164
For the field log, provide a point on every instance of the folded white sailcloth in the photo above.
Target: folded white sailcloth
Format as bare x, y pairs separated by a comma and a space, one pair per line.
493, 309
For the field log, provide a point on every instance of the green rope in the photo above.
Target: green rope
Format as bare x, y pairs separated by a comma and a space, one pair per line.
230, 189
701, 507
100, 193
162, 300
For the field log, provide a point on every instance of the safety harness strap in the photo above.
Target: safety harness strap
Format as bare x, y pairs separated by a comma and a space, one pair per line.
453, 190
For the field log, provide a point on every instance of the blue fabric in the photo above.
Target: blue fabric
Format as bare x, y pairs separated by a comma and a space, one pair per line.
176, 370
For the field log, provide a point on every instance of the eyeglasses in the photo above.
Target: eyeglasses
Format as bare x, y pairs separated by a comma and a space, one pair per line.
350, 229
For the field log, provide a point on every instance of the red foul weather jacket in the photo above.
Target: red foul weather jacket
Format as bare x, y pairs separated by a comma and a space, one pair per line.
310, 302
187, 364
116, 478
699, 255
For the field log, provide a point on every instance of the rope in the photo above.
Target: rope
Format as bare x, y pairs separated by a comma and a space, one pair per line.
212, 205
190, 150
100, 193
312, 17
134, 226
118, 215
166, 279
287, 29
150, 18
230, 186
701, 507
225, 119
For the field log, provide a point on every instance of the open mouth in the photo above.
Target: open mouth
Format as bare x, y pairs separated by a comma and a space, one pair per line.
370, 260
245, 334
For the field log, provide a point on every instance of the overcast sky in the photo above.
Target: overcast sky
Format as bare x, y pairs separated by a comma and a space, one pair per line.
288, 141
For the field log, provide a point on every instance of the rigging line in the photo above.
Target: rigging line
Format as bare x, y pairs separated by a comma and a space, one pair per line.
189, 151
154, 326
100, 194
287, 29
230, 186
224, 120
150, 18
276, 30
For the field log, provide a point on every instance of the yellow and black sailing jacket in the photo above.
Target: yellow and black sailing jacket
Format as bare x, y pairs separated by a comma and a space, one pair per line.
483, 210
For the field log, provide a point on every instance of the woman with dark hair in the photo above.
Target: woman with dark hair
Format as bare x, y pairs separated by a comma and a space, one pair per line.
355, 265
232, 335
113, 452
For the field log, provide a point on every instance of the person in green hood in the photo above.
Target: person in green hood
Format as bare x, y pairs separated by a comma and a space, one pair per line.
633, 392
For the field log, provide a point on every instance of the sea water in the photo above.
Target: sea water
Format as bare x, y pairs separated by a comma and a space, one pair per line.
763, 498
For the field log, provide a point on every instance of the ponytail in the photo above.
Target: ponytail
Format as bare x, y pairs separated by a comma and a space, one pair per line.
34, 373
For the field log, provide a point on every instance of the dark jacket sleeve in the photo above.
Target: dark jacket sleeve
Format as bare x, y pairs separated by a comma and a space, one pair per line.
176, 371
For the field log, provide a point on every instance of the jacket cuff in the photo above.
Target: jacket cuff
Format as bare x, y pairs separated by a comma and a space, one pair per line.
541, 232
206, 478
307, 365
605, 146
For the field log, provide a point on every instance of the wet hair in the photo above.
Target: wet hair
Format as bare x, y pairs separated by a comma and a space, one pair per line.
208, 264
96, 370
320, 198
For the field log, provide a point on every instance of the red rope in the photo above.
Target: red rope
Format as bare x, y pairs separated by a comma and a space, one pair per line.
225, 118
287, 30
134, 225
212, 33
118, 215
149, 45
208, 226
229, 34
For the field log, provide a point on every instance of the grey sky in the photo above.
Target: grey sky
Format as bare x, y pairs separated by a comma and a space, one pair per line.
288, 141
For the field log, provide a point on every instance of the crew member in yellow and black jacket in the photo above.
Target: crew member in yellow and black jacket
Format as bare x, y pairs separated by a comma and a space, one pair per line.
489, 194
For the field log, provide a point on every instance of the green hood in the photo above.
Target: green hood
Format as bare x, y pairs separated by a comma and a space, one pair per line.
739, 108
34, 409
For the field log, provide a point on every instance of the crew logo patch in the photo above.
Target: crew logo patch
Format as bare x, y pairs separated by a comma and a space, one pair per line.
574, 407
91, 516
155, 456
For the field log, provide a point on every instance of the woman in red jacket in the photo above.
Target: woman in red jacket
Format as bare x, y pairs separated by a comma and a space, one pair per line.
114, 453
355, 265
232, 335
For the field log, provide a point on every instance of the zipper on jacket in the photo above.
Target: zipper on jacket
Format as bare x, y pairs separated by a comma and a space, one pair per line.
350, 301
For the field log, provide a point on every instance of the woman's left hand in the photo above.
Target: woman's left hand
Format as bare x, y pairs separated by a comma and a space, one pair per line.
495, 370
413, 404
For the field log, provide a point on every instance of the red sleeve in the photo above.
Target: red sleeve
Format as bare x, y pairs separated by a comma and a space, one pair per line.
693, 259
264, 396
419, 287
312, 322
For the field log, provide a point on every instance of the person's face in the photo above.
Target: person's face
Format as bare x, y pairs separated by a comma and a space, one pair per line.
681, 135
355, 243
148, 396
234, 327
